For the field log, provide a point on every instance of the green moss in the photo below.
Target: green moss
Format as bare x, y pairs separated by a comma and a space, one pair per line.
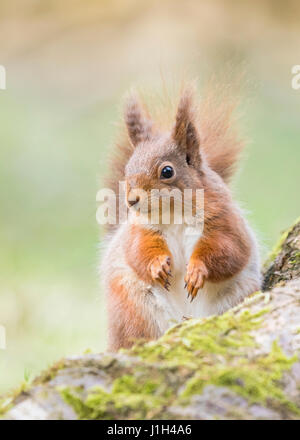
295, 259
188, 343
7, 400
179, 365
74, 398
257, 381
128, 398
194, 346
169, 371
50, 373
143, 382
5, 405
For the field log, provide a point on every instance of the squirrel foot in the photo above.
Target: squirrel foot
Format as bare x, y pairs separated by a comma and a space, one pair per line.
196, 275
160, 270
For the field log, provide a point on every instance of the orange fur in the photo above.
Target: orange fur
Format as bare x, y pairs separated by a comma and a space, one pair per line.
214, 118
148, 254
224, 248
220, 139
126, 319
201, 150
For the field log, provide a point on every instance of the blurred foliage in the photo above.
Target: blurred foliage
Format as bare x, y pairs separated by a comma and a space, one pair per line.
68, 63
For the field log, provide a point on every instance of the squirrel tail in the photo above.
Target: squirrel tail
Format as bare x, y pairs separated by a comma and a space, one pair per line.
220, 140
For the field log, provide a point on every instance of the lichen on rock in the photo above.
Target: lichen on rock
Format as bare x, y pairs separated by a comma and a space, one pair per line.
244, 364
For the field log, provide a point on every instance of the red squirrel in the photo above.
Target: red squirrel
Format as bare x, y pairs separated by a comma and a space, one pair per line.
156, 275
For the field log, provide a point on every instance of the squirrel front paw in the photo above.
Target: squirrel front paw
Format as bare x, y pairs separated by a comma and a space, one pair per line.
196, 274
160, 270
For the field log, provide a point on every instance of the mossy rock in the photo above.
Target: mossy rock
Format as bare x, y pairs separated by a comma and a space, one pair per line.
244, 364
283, 263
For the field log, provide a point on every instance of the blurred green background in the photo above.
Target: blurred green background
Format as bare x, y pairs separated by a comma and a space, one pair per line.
68, 64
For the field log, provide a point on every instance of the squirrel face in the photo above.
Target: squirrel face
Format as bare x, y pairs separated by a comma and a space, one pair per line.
162, 165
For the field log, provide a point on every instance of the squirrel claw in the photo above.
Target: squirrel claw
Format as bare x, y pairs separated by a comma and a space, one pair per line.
160, 270
193, 296
167, 285
195, 278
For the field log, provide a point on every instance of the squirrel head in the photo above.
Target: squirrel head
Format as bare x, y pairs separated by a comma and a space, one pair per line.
161, 161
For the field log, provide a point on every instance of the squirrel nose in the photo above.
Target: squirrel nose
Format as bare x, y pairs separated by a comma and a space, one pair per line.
133, 202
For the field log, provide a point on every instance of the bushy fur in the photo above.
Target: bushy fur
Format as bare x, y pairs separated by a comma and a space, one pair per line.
213, 114
156, 274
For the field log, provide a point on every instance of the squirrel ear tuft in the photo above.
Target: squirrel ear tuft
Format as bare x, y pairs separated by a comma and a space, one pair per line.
138, 126
185, 133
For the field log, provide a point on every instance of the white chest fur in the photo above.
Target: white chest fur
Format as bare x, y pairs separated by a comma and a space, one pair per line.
181, 241
174, 305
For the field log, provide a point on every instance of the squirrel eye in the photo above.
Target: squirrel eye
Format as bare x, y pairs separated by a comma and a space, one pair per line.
167, 172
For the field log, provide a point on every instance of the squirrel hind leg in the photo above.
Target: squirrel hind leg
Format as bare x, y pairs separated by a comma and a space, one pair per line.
127, 320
